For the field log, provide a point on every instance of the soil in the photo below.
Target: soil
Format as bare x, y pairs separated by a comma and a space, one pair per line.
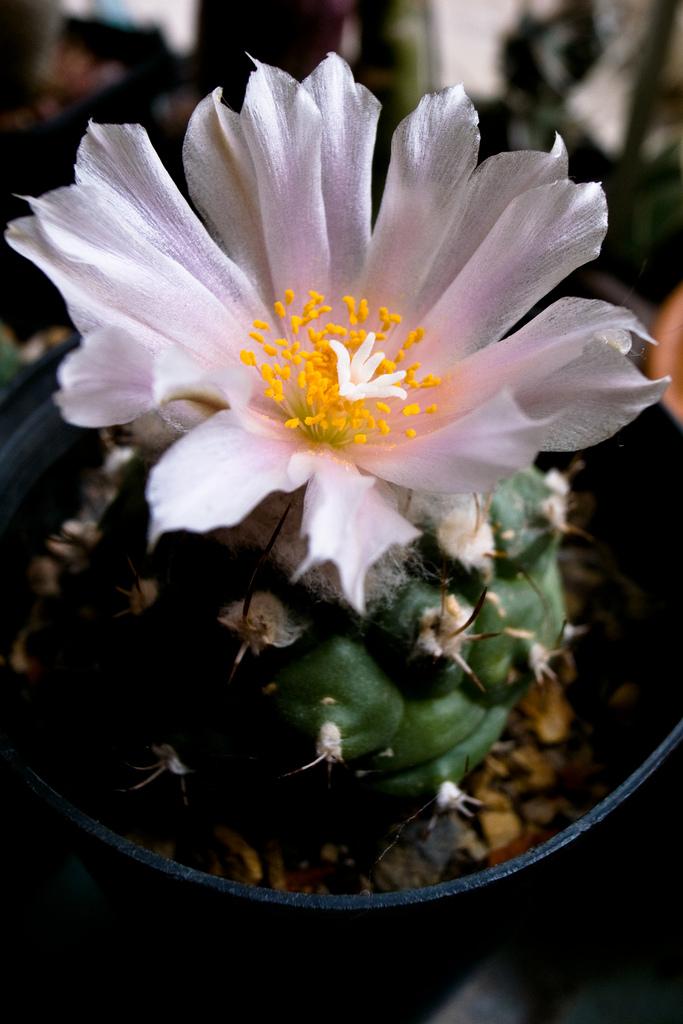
118, 696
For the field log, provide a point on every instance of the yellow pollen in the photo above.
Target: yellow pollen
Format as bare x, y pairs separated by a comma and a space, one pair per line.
302, 375
350, 304
431, 408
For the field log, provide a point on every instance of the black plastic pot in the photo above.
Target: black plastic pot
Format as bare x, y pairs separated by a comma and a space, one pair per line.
42, 157
407, 941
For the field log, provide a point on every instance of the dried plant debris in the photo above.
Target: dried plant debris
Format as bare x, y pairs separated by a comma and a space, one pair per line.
173, 790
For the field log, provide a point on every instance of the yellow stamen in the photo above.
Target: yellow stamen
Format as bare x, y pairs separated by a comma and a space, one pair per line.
350, 304
431, 408
309, 395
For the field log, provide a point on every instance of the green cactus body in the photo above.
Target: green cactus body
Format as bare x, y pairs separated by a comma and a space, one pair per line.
417, 694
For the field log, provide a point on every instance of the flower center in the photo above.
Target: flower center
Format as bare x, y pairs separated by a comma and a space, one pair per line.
326, 378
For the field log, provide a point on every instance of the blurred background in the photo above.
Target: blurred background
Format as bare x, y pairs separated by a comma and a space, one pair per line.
606, 74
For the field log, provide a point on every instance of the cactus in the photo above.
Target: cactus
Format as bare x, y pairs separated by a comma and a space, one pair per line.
414, 694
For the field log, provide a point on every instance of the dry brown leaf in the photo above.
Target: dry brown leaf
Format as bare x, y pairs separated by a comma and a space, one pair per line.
236, 857
519, 845
275, 865
500, 827
549, 712
539, 772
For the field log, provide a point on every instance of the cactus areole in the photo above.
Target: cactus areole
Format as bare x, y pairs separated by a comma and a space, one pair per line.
348, 400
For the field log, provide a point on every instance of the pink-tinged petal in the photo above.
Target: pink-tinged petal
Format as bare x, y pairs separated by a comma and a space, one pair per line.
490, 190
126, 251
591, 398
120, 159
471, 453
106, 381
222, 183
433, 152
349, 123
347, 521
540, 238
525, 359
215, 476
179, 377
283, 128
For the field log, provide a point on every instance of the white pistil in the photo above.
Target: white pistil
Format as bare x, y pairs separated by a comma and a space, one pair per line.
354, 374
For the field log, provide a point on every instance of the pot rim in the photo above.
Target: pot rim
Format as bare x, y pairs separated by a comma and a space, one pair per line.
352, 902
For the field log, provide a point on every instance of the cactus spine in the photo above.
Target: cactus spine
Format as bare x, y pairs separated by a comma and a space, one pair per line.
415, 695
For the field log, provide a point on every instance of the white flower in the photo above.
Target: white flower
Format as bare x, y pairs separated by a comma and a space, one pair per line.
254, 339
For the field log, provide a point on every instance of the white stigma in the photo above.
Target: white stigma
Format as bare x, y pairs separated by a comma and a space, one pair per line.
354, 374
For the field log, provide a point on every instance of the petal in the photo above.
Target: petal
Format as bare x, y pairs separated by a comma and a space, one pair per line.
536, 352
349, 123
107, 380
126, 250
179, 377
347, 521
591, 398
541, 237
222, 183
283, 129
468, 454
215, 476
490, 190
433, 152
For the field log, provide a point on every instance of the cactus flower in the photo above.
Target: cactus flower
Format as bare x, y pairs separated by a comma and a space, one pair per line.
286, 343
